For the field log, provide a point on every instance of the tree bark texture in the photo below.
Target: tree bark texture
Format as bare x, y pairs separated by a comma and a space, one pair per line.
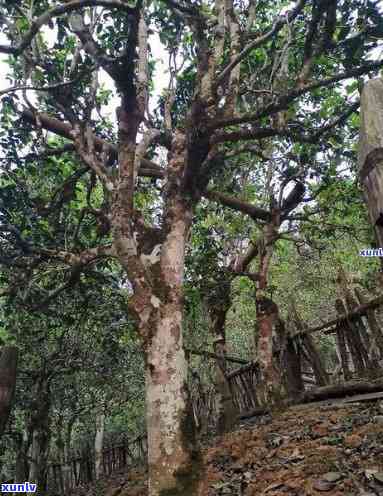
99, 442
40, 433
157, 304
8, 370
218, 305
269, 388
371, 152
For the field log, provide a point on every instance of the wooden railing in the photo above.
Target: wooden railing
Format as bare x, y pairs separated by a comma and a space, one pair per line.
358, 345
243, 386
79, 471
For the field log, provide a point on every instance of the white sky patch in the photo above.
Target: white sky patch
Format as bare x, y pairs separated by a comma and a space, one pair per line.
161, 75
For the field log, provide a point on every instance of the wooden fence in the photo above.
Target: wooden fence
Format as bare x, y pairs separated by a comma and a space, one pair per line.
80, 470
358, 340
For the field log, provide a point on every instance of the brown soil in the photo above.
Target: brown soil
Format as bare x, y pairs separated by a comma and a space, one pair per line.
306, 451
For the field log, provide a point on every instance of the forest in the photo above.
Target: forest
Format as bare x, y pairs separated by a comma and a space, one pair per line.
191, 211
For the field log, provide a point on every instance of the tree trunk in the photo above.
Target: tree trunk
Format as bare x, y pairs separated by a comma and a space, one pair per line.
269, 388
371, 152
22, 467
8, 370
156, 274
321, 376
174, 462
67, 468
218, 302
376, 332
99, 442
39, 427
352, 340
225, 409
292, 366
169, 421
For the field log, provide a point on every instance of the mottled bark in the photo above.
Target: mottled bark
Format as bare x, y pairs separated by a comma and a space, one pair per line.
8, 369
269, 388
371, 152
157, 304
99, 442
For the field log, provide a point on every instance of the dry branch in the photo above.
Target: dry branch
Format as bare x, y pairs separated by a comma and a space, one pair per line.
338, 391
361, 310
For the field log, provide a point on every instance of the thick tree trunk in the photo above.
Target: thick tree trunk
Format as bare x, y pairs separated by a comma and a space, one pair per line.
174, 462
268, 390
371, 152
8, 368
99, 442
169, 421
156, 274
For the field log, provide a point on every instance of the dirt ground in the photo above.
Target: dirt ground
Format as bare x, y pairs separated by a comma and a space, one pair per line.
307, 451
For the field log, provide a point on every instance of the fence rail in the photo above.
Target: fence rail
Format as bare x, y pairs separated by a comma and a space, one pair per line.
80, 470
359, 348
359, 354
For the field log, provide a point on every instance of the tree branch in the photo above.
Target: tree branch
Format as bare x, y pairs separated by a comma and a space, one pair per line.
285, 100
148, 168
59, 11
253, 133
240, 206
278, 25
51, 87
191, 11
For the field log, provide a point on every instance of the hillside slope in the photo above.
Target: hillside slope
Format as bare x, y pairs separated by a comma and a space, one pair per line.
306, 451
